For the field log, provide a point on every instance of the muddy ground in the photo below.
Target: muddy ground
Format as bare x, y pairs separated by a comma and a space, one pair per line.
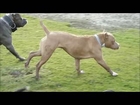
99, 21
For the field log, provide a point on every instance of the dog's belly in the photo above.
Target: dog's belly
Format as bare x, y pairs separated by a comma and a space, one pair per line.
79, 53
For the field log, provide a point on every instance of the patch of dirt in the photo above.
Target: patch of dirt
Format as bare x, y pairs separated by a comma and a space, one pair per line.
16, 73
99, 21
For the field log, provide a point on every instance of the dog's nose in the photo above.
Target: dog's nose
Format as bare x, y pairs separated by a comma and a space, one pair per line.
25, 21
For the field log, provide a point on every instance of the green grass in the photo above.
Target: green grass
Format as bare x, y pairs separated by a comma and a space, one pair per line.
59, 73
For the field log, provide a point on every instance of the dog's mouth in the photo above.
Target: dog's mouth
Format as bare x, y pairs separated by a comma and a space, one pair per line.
117, 48
22, 24
114, 47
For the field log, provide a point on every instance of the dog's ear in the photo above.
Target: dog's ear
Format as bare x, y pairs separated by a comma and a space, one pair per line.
106, 35
14, 14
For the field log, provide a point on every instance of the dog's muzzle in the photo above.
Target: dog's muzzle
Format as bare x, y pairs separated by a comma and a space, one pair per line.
24, 22
116, 46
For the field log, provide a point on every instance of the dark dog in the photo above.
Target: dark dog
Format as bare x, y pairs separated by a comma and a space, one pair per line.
8, 24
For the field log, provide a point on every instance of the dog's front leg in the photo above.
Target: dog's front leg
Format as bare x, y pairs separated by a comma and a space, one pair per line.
12, 50
77, 65
104, 65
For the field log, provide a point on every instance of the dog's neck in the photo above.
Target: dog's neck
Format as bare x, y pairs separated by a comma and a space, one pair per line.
100, 40
9, 22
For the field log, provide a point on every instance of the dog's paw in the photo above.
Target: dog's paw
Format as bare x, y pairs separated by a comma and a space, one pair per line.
26, 65
22, 59
81, 71
114, 74
37, 78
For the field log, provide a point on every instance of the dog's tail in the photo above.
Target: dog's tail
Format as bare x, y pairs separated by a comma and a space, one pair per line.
44, 28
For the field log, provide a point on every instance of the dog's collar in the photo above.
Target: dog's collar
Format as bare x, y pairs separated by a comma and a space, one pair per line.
98, 40
9, 22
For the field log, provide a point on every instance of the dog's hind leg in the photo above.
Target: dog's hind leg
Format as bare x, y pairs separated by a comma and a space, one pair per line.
77, 65
31, 55
45, 57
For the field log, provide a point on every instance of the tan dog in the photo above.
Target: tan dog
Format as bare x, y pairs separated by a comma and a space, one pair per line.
79, 47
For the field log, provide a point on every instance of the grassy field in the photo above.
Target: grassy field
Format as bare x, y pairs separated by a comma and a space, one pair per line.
59, 74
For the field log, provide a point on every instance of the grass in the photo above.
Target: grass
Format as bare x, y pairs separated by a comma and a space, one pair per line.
59, 74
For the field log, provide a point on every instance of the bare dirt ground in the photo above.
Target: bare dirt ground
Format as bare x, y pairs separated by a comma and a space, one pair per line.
99, 21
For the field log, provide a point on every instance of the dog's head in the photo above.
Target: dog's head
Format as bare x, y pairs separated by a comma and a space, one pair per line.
14, 20
110, 41
18, 20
